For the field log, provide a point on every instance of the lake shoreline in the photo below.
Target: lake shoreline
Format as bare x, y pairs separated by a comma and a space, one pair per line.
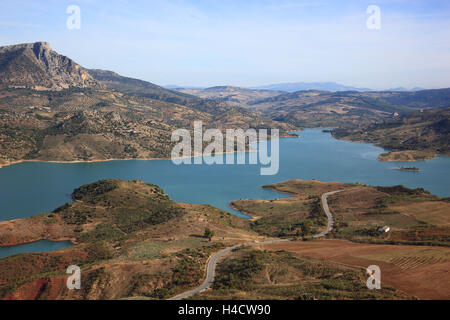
8, 163
306, 158
12, 244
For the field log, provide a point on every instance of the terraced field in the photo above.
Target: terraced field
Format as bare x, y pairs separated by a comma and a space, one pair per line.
408, 263
420, 271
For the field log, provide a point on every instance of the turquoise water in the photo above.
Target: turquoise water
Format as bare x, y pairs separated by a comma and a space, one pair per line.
33, 187
37, 246
30, 188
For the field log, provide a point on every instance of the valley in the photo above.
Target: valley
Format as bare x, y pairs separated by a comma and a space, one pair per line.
153, 230
412, 124
56, 110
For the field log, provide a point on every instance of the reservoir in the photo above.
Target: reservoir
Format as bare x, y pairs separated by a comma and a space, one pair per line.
30, 188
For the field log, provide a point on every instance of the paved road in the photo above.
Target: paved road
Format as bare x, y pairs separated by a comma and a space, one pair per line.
212, 262
211, 268
328, 213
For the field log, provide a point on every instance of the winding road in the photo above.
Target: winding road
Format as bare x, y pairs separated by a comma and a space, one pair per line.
328, 213
212, 262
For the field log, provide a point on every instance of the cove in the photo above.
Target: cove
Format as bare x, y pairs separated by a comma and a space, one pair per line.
37, 246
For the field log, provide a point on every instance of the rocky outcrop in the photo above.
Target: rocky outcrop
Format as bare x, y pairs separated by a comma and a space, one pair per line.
37, 66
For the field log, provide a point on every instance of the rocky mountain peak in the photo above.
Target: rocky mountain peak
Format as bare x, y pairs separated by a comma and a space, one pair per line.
41, 49
37, 66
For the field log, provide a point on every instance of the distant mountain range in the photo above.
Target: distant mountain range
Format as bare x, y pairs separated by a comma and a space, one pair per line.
299, 86
235, 96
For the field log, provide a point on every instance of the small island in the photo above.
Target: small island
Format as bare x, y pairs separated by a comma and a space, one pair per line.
413, 169
407, 155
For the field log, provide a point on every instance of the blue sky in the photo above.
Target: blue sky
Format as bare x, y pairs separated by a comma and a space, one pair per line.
246, 43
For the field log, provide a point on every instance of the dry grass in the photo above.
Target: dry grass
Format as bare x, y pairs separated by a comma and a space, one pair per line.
433, 212
426, 267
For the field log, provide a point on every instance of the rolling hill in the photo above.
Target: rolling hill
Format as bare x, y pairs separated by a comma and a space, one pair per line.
414, 136
236, 96
326, 109
301, 86
333, 109
419, 99
322, 108
130, 239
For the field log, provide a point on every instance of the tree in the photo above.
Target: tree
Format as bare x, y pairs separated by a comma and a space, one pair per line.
306, 228
208, 233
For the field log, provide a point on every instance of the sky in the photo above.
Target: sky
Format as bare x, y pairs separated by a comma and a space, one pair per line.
245, 42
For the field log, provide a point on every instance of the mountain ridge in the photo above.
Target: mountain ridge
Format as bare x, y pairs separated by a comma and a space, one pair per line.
37, 66
52, 109
300, 86
419, 135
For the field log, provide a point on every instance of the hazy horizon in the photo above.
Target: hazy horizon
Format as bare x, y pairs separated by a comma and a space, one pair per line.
174, 85
246, 44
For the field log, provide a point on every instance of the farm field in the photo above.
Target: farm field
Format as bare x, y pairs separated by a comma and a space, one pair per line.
258, 273
418, 271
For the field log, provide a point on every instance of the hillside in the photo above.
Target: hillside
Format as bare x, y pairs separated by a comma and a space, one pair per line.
309, 108
419, 99
253, 274
314, 108
326, 109
37, 66
358, 210
213, 104
414, 136
318, 108
44, 117
130, 240
236, 96
418, 242
138, 87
